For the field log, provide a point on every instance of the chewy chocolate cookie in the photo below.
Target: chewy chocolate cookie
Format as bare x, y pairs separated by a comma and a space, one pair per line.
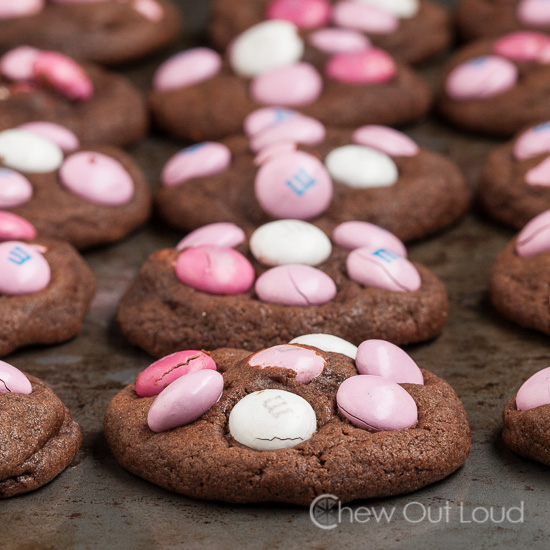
38, 437
273, 438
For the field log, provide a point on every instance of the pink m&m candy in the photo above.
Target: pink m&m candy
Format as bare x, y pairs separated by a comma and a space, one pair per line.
214, 234
376, 404
163, 372
20, 8
338, 40
185, 400
385, 139
305, 14
372, 66
481, 77
535, 391
14, 227
540, 174
18, 64
534, 12
293, 185
534, 238
15, 189
381, 358
215, 269
524, 46
281, 148
382, 269
63, 137
202, 159
12, 380
97, 178
364, 17
533, 142
150, 9
266, 118
295, 285
23, 269
296, 84
187, 68
356, 234
304, 362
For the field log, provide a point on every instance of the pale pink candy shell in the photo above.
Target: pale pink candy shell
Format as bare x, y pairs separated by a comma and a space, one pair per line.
371, 66
306, 363
295, 285
150, 9
12, 380
18, 64
376, 404
163, 372
294, 185
481, 77
20, 8
14, 227
265, 118
534, 238
338, 41
364, 17
15, 188
97, 178
187, 68
215, 269
382, 269
23, 270
540, 174
385, 139
356, 234
535, 391
203, 159
305, 14
214, 234
533, 142
63, 137
297, 84
534, 12
185, 400
381, 358
300, 129
272, 151
524, 46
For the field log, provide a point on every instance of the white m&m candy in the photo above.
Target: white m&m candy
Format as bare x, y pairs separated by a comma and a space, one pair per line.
399, 8
28, 152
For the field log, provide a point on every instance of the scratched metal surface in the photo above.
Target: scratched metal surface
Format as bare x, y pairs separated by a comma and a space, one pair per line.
96, 504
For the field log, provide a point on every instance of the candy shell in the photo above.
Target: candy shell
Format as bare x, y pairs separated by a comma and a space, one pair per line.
265, 118
535, 391
357, 234
306, 14
12, 380
364, 17
372, 66
338, 40
382, 269
534, 238
387, 140
14, 227
268, 420
271, 151
399, 8
214, 234
23, 270
534, 12
304, 362
376, 404
327, 342
28, 152
524, 46
63, 137
185, 400
384, 359
540, 174
150, 9
15, 189
533, 142
18, 64
10, 9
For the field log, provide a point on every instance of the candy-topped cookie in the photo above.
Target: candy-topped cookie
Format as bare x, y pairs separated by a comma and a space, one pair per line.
410, 30
291, 166
478, 18
87, 196
288, 424
108, 32
38, 437
97, 105
287, 279
198, 95
498, 86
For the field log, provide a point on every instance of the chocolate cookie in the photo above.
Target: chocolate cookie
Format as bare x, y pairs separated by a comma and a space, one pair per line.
108, 32
197, 96
87, 197
498, 86
97, 105
38, 437
318, 452
478, 18
373, 174
412, 31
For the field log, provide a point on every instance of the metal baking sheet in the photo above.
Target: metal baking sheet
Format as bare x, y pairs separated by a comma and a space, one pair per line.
497, 500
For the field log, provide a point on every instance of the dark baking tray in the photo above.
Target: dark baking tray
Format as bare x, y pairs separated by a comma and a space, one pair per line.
496, 500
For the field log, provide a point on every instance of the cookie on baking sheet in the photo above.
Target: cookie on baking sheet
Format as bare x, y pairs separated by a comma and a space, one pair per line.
108, 32
410, 30
86, 196
497, 86
514, 186
518, 283
97, 105
290, 166
45, 287
288, 279
288, 424
198, 96
38, 437
478, 18
527, 419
